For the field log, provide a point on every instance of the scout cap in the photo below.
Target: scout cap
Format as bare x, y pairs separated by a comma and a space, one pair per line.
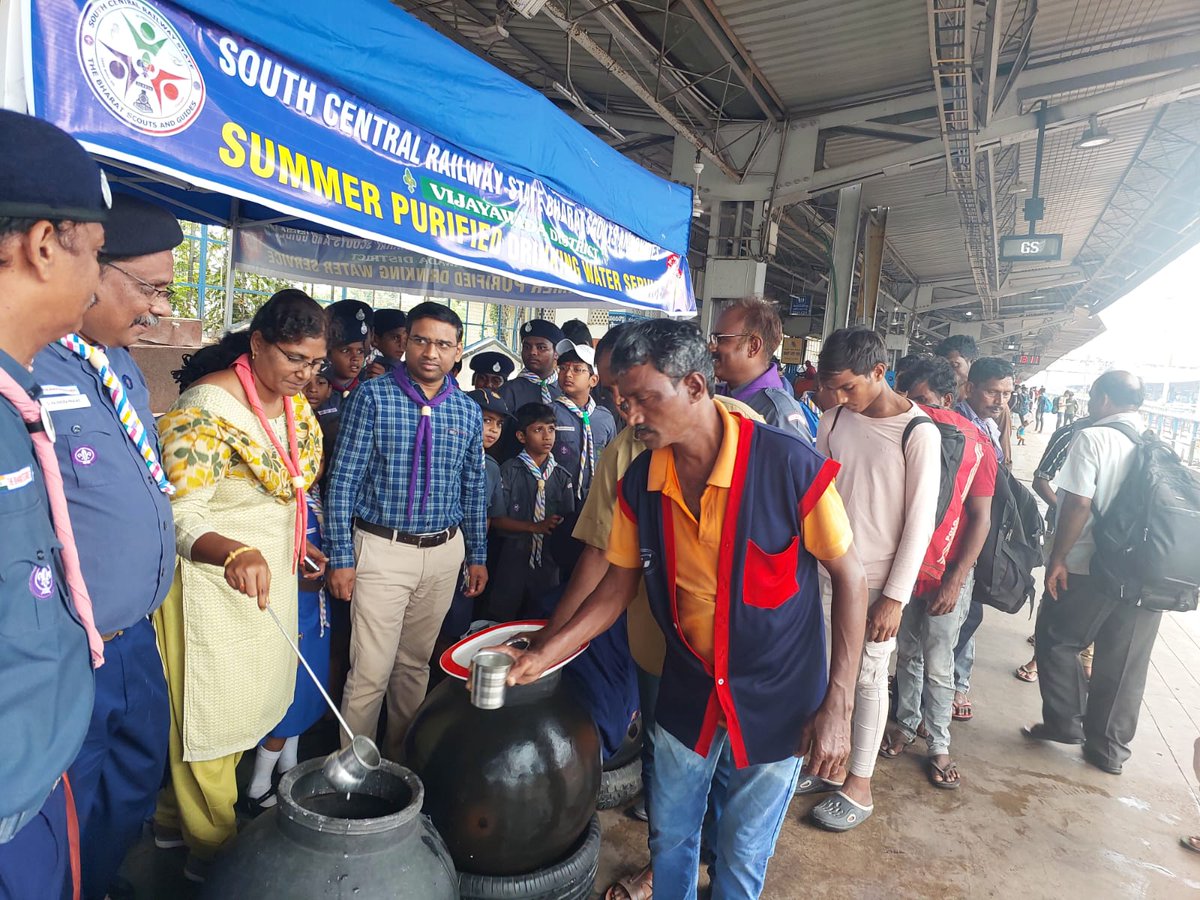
351, 320
569, 353
46, 174
389, 320
540, 328
490, 401
136, 227
492, 362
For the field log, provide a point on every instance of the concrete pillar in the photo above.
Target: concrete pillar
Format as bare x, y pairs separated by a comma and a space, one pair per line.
845, 252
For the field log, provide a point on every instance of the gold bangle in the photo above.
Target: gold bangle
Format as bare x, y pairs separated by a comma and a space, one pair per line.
234, 554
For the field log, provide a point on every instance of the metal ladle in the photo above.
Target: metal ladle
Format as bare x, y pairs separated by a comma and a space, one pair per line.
345, 769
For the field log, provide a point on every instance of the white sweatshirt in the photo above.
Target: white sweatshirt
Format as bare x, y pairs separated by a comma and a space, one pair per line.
890, 494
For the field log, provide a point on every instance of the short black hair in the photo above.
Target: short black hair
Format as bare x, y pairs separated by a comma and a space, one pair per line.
609, 339
907, 362
534, 414
577, 332
962, 344
932, 370
1124, 389
859, 350
990, 368
674, 348
439, 312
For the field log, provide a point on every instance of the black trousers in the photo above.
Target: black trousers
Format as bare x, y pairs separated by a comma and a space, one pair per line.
1104, 711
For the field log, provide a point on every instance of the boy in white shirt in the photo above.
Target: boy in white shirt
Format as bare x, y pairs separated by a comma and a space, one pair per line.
890, 486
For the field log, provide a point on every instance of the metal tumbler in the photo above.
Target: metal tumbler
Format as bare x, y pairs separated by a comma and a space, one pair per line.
489, 674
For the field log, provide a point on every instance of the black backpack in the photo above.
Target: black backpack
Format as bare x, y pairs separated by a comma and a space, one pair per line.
954, 444
1013, 549
1147, 539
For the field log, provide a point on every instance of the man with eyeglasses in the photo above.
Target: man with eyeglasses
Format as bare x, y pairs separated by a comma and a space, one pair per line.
107, 448
747, 334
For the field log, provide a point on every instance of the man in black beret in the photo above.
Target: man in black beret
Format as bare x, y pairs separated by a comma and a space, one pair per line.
538, 381
389, 335
350, 323
53, 201
492, 369
100, 405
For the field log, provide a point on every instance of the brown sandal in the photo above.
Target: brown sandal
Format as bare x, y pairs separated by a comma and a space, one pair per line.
1027, 673
635, 887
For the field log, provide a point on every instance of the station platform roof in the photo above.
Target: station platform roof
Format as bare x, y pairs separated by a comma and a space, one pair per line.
932, 105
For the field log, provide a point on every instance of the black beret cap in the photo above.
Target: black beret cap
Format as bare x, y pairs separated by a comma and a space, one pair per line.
540, 328
389, 320
493, 363
351, 321
138, 228
490, 401
46, 174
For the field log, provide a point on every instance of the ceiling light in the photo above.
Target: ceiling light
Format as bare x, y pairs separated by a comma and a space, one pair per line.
1012, 345
1019, 187
1095, 135
968, 314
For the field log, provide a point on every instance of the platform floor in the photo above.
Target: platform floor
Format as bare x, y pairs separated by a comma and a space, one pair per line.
1030, 820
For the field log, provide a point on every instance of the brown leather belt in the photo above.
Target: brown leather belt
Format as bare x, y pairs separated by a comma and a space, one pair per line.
108, 637
414, 540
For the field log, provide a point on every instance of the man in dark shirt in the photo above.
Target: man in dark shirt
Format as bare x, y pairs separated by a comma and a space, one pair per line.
537, 382
108, 451
746, 335
52, 201
406, 504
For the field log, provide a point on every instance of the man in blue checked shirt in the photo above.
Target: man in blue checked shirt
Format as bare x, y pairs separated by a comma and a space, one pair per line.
406, 503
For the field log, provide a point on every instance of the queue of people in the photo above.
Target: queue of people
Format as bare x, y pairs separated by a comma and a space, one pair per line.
771, 552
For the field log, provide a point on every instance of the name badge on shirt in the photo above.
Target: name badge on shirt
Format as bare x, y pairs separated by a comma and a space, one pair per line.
12, 481
565, 428
60, 402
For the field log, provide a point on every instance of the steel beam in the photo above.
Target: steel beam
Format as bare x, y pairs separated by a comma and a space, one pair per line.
580, 36
1108, 67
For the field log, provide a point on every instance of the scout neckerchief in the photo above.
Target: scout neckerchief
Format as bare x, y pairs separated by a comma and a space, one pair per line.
423, 441
587, 450
36, 422
543, 383
346, 388
539, 504
290, 458
130, 421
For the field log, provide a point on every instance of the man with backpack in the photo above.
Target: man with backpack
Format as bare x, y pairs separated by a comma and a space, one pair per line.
890, 481
931, 621
1082, 607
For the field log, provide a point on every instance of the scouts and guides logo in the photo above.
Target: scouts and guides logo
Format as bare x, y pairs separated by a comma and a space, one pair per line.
138, 66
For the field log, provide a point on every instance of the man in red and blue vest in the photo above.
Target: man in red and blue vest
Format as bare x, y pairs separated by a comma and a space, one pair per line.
726, 520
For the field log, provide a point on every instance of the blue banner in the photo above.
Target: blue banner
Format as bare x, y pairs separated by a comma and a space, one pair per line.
357, 262
147, 84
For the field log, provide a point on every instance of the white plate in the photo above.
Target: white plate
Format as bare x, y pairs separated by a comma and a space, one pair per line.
456, 661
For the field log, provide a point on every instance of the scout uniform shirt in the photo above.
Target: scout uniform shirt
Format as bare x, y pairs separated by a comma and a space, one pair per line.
124, 528
46, 681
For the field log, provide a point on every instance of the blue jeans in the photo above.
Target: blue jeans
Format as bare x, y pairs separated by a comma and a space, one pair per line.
964, 650
752, 811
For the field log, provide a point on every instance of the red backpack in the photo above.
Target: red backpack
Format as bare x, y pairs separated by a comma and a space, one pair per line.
946, 534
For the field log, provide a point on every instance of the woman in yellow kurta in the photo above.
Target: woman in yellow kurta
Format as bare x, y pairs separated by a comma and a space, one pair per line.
230, 673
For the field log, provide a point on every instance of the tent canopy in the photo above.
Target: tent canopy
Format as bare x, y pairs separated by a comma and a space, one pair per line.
377, 126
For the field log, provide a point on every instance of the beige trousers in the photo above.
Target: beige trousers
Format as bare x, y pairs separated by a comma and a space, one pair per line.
401, 595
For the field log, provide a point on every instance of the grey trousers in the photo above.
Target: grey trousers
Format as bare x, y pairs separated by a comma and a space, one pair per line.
1104, 711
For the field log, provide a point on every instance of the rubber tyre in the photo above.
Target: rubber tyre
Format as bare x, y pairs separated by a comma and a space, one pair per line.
620, 786
631, 746
571, 879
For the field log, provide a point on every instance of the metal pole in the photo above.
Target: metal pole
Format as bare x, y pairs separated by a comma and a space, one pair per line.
202, 275
231, 269
1037, 170
845, 252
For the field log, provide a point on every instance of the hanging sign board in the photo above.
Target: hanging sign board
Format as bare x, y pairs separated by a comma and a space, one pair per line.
1031, 247
144, 83
792, 352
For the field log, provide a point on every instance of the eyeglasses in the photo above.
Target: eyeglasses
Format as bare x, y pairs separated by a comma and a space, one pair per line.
300, 363
575, 369
151, 290
716, 337
421, 342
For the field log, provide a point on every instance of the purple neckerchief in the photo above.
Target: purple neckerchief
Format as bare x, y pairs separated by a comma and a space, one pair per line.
424, 438
768, 379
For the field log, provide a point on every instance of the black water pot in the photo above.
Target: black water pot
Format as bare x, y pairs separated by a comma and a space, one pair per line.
371, 844
512, 789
